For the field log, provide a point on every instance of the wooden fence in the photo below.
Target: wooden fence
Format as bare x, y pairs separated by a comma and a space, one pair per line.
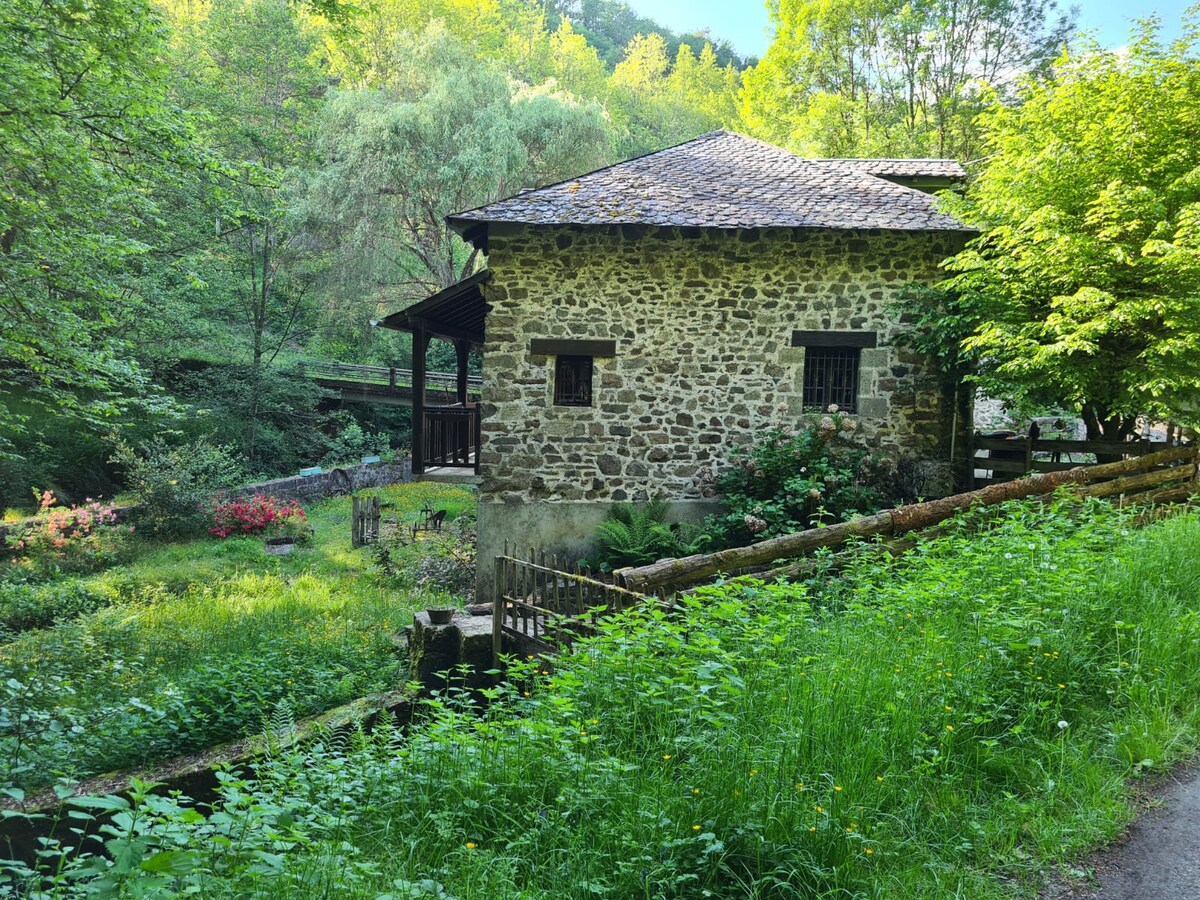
1168, 476
1003, 459
364, 521
540, 604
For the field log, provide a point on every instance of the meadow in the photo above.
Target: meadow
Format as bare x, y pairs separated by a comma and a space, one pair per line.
942, 725
192, 643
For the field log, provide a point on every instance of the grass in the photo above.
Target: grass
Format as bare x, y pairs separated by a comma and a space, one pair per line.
944, 725
203, 641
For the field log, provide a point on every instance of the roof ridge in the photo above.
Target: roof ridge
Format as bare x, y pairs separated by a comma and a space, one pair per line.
554, 184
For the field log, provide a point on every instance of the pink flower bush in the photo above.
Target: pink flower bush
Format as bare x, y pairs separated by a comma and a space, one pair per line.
255, 515
77, 537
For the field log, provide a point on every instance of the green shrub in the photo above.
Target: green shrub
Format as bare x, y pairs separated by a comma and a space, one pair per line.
637, 534
174, 486
68, 539
788, 481
352, 443
33, 604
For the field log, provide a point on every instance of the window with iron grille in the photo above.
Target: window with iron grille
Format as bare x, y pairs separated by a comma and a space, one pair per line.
573, 381
831, 377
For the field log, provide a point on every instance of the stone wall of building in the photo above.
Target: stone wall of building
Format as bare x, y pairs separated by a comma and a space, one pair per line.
702, 322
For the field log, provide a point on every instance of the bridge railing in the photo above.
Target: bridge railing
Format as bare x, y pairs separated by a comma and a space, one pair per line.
395, 379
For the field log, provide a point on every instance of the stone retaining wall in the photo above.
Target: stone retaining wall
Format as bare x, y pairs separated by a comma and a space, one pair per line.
345, 480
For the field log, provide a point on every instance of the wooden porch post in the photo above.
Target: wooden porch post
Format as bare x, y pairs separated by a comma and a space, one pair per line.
420, 348
461, 349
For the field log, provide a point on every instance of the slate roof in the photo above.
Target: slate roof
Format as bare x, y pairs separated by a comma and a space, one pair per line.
727, 180
905, 168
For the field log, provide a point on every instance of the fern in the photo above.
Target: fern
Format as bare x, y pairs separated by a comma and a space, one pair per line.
634, 535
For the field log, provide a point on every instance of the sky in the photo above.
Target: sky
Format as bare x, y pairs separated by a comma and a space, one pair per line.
745, 24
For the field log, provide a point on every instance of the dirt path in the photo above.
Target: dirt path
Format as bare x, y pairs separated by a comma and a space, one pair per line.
1159, 858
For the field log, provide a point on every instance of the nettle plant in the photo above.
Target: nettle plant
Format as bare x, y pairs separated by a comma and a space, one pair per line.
788, 481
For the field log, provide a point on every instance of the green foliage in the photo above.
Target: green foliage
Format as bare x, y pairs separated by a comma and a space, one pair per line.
352, 443
636, 534
441, 563
1083, 289
86, 129
918, 728
939, 323
788, 481
887, 78
173, 485
193, 643
27, 603
446, 132
445, 562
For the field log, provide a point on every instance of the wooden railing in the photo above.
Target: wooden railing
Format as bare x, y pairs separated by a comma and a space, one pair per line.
541, 605
1005, 458
450, 436
393, 379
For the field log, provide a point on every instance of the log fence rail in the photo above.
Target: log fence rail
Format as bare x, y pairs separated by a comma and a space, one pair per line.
541, 605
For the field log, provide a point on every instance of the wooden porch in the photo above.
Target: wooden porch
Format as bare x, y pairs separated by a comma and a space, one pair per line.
445, 434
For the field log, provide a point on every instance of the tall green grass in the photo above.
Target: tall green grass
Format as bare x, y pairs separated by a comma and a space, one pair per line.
944, 725
201, 642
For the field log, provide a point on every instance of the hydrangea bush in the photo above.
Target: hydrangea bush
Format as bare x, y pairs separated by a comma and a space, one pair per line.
790, 480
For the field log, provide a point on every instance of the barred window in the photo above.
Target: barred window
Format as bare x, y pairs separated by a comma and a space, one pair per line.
573, 381
831, 377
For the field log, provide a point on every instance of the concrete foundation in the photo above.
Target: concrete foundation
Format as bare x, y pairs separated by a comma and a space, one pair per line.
558, 527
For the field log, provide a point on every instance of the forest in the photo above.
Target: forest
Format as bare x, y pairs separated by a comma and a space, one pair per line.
200, 195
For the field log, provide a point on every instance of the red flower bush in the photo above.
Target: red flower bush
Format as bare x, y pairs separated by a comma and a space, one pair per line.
255, 515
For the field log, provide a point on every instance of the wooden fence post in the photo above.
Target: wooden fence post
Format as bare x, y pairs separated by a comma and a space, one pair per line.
497, 611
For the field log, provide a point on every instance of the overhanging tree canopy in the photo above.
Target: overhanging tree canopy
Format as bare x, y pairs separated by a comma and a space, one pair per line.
1085, 287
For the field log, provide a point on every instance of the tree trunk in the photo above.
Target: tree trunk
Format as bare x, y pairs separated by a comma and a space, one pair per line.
1104, 425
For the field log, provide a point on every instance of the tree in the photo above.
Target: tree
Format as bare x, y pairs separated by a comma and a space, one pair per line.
251, 71
86, 129
892, 78
655, 103
447, 133
1085, 285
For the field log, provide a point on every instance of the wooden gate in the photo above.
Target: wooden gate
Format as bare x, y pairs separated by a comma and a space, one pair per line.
364, 521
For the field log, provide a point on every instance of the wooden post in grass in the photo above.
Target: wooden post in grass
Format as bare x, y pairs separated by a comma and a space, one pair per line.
498, 610
364, 521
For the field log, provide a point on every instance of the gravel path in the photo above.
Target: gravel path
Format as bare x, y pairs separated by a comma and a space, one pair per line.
1159, 859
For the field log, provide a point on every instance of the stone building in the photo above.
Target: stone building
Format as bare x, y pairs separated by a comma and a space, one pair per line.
640, 321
